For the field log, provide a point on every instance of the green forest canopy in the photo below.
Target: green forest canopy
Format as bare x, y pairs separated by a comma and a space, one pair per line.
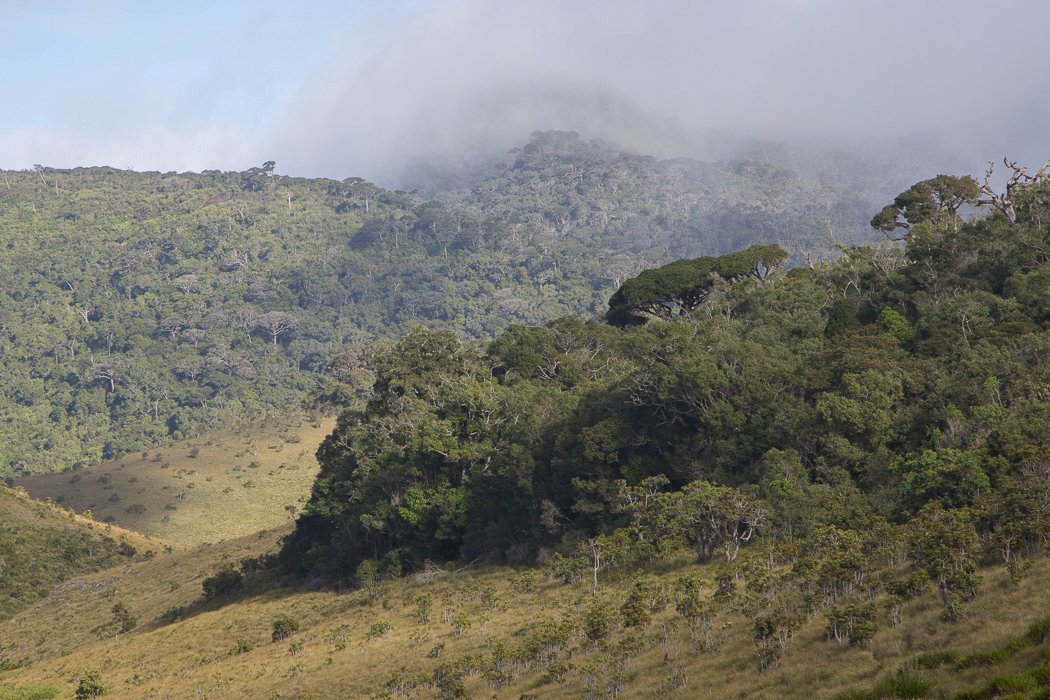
891, 407
137, 308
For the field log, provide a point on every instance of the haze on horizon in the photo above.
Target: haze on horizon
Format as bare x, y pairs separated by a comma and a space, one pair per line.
373, 89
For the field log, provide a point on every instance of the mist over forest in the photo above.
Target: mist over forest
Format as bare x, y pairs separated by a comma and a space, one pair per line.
416, 87
463, 348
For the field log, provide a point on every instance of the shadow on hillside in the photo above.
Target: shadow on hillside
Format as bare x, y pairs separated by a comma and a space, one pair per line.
263, 587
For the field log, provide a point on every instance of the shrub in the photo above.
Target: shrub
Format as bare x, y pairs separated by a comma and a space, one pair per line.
339, 637
597, 622
525, 583
460, 623
851, 623
635, 610
243, 645
123, 618
424, 604
224, 583
489, 597
378, 629
283, 627
90, 686
135, 509
369, 577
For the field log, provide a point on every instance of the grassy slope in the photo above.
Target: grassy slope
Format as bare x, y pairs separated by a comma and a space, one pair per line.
42, 544
195, 657
239, 482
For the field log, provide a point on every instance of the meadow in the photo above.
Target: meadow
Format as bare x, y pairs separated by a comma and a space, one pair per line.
222, 485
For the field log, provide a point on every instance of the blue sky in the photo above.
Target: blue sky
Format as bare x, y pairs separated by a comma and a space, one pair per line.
370, 87
100, 77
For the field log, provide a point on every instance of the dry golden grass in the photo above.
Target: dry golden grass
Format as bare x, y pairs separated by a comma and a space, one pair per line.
221, 486
331, 655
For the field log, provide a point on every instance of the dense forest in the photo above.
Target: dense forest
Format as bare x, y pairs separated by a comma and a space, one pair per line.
874, 426
137, 308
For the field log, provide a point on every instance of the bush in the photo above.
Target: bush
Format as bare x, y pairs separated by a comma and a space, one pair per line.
243, 646
283, 627
851, 623
635, 610
90, 686
597, 622
424, 604
378, 629
224, 583
905, 686
123, 618
526, 583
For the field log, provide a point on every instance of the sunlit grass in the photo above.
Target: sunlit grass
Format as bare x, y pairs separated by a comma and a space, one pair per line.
347, 647
223, 485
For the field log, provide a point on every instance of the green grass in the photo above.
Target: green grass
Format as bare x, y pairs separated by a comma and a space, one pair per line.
904, 685
28, 692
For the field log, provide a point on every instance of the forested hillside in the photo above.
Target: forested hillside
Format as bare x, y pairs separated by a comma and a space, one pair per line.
841, 438
137, 308
741, 479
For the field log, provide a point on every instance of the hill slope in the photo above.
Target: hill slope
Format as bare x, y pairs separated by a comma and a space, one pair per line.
42, 545
498, 632
223, 485
139, 308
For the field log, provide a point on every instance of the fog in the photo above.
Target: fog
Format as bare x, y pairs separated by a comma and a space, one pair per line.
393, 89
941, 84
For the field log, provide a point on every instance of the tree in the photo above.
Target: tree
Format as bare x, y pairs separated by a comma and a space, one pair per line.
1019, 180
719, 517
954, 477
683, 285
283, 627
123, 618
275, 324
698, 611
944, 543
937, 199
224, 583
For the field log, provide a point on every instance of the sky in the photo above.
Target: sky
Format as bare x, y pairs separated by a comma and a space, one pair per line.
373, 88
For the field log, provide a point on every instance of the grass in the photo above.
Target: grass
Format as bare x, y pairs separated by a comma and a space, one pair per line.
500, 632
28, 692
347, 647
222, 486
42, 545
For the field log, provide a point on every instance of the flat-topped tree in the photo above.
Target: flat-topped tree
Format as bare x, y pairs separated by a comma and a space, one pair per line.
937, 199
683, 285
